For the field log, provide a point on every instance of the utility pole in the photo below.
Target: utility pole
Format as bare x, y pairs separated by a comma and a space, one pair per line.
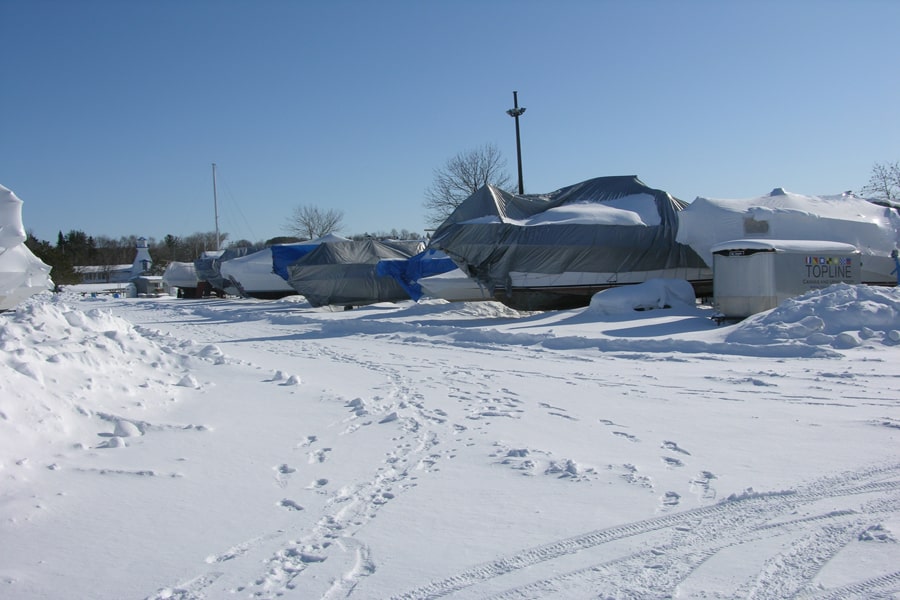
216, 207
515, 112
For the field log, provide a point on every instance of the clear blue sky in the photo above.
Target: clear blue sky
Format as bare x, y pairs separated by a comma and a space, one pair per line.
112, 111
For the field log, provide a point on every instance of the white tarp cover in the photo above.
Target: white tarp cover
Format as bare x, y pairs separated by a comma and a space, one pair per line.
180, 274
253, 276
22, 274
607, 225
782, 215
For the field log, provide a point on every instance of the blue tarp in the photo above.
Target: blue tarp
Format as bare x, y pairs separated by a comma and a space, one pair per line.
284, 255
408, 272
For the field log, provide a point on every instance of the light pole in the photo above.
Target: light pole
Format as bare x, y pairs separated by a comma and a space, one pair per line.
216, 207
515, 112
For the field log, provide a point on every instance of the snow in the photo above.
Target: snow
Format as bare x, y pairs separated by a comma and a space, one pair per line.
22, 274
801, 246
235, 448
633, 210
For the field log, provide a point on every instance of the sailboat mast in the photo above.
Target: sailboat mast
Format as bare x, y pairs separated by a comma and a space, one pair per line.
216, 207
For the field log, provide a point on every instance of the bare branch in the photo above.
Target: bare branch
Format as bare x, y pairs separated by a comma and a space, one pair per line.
462, 176
311, 222
884, 182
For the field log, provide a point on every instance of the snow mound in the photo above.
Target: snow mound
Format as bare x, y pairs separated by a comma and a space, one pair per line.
63, 372
841, 315
649, 295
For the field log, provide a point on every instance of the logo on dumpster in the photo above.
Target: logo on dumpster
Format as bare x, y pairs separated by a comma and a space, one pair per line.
833, 267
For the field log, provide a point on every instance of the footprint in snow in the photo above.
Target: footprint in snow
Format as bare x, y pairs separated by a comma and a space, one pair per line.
318, 455
670, 499
702, 485
282, 472
674, 447
307, 442
290, 504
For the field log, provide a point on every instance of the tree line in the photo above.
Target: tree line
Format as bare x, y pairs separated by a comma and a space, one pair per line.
78, 249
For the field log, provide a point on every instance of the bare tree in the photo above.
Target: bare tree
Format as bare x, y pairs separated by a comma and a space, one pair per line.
311, 222
202, 241
462, 176
884, 183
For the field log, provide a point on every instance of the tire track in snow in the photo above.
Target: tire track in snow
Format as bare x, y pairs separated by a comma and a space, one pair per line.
885, 587
742, 517
659, 568
788, 573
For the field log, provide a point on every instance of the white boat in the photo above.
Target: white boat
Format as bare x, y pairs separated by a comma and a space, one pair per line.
253, 276
454, 286
183, 276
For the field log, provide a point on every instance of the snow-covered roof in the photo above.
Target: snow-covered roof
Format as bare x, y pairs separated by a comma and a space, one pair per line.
786, 246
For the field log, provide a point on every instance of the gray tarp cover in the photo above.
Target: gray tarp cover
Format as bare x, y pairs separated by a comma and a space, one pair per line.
492, 233
209, 269
344, 273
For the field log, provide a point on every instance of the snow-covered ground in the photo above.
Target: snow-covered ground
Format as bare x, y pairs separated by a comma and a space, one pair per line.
165, 448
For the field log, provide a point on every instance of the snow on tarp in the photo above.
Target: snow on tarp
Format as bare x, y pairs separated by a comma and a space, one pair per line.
409, 271
549, 251
284, 255
782, 215
344, 273
22, 274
